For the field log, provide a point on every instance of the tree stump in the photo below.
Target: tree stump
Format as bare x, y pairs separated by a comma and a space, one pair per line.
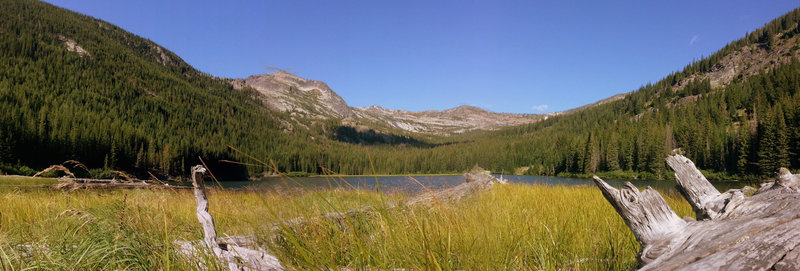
732, 230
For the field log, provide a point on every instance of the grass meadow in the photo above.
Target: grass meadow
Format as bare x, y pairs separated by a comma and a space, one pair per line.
511, 227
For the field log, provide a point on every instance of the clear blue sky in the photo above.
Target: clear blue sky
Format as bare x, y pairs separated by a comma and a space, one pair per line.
504, 56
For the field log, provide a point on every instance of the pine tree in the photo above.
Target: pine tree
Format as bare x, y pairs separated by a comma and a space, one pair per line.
612, 155
743, 150
774, 143
591, 157
5, 147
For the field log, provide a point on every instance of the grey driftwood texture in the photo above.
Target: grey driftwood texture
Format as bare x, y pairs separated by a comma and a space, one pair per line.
228, 252
732, 230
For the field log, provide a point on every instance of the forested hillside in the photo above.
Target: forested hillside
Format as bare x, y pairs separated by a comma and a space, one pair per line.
74, 87
748, 126
744, 127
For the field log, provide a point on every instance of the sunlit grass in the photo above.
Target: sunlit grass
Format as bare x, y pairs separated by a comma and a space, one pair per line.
17, 181
509, 227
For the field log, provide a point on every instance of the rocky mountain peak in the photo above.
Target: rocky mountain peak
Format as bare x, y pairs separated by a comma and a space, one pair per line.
307, 98
287, 92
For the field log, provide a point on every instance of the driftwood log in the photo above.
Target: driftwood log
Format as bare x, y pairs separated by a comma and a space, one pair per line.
234, 256
732, 230
232, 250
475, 181
85, 183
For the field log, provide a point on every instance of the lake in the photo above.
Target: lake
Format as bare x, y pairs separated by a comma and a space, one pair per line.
417, 184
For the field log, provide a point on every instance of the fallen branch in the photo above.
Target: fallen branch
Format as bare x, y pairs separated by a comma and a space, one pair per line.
234, 256
732, 231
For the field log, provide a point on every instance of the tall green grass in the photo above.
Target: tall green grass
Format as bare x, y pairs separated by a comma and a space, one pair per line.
509, 227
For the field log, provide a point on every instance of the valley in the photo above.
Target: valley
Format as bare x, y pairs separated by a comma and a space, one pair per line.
116, 154
137, 107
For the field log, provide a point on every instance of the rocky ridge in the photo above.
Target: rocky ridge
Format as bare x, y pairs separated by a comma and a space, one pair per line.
312, 99
451, 121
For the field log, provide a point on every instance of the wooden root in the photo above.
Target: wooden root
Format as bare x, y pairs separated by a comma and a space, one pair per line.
732, 231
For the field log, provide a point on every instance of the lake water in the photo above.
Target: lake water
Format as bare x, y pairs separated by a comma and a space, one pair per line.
416, 184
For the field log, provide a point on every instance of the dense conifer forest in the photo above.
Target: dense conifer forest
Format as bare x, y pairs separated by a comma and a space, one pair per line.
128, 104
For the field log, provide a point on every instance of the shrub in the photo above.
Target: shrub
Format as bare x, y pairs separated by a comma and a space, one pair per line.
99, 173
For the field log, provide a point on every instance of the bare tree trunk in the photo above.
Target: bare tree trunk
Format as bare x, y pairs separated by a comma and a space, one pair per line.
732, 231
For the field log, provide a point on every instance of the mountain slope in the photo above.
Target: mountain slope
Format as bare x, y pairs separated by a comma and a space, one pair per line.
736, 112
288, 93
74, 87
457, 120
304, 98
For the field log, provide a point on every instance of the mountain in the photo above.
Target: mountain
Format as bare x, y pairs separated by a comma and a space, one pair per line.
457, 120
73, 87
285, 92
310, 99
735, 113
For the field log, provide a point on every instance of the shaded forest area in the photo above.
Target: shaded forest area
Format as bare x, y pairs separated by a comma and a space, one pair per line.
131, 105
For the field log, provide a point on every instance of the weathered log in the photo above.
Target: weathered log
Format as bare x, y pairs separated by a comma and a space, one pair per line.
732, 231
234, 256
84, 183
476, 180
705, 200
646, 214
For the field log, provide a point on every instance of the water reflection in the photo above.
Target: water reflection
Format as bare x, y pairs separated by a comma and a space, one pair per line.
417, 184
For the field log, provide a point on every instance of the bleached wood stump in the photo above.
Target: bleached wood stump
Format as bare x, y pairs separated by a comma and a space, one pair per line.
732, 231
229, 253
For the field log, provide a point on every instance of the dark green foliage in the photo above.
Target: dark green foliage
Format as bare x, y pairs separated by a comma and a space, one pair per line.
121, 106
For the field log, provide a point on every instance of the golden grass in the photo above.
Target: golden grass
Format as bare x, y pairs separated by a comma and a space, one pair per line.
510, 227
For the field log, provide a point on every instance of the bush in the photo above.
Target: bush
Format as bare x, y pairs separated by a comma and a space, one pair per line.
16, 170
99, 173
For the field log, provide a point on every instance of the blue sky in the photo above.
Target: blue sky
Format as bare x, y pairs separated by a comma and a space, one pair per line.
504, 56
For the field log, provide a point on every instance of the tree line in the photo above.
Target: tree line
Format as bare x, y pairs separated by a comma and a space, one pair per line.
124, 107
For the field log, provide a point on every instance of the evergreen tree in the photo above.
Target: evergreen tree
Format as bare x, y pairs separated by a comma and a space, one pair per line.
591, 155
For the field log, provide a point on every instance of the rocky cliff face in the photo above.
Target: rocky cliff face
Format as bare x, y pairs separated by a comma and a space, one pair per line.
286, 92
748, 61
